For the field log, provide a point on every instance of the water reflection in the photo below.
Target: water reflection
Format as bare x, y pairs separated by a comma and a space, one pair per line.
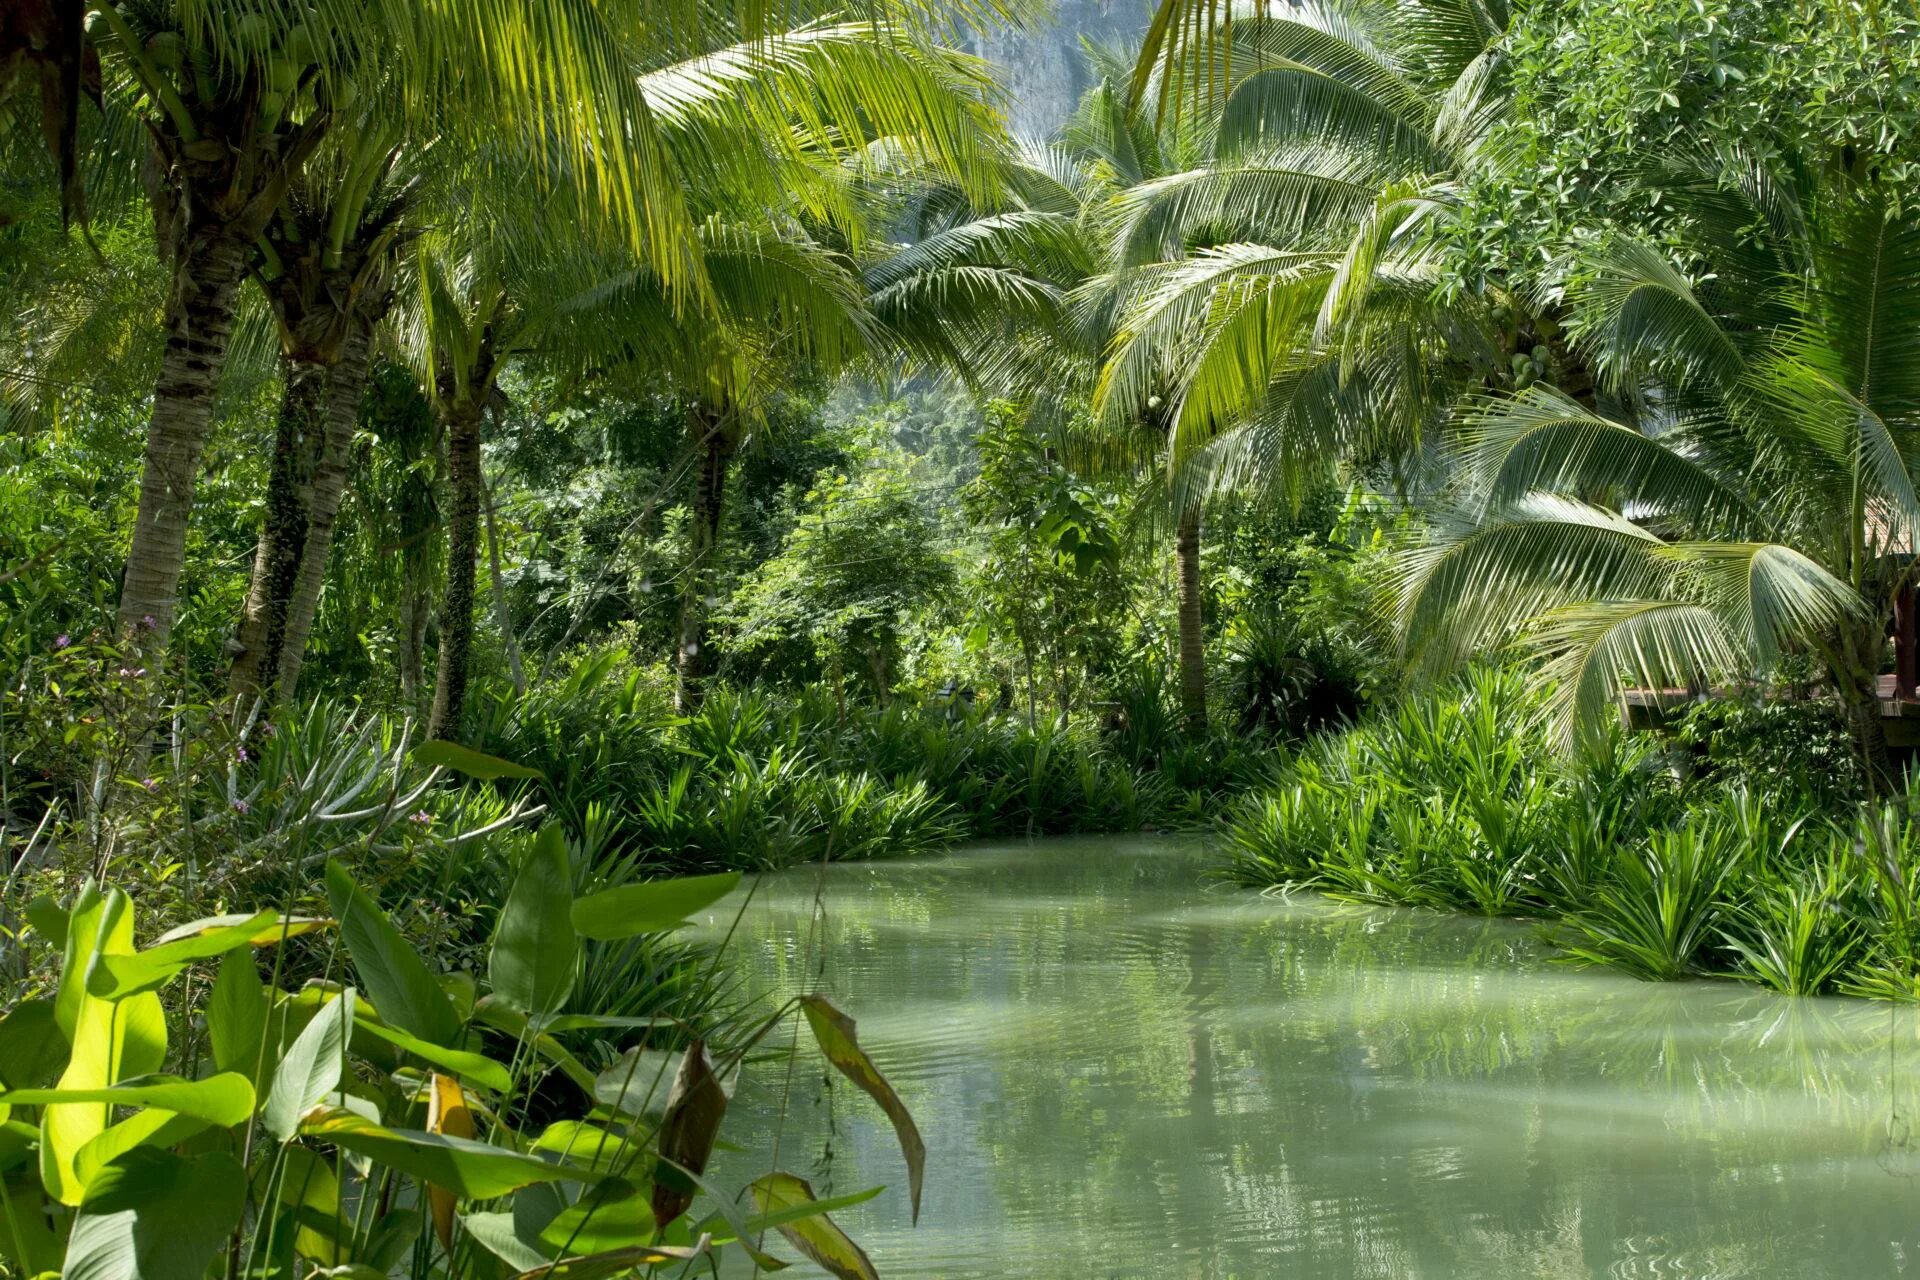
1120, 1071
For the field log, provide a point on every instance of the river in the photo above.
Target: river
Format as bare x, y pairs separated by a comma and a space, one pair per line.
1122, 1070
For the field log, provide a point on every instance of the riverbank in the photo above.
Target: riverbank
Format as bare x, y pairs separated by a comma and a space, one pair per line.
1634, 854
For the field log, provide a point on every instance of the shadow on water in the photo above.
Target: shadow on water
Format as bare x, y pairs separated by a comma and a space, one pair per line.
1121, 1070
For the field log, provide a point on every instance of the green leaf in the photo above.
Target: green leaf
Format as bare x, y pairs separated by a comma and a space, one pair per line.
497, 1233
472, 1170
654, 907
17, 1139
237, 1016
309, 1072
49, 918
577, 1140
32, 1046
223, 1100
151, 1215
116, 976
393, 974
535, 951
833, 1030
112, 1040
149, 1128
438, 753
502, 1017
815, 1234
308, 1193
614, 1215
637, 1083
477, 1067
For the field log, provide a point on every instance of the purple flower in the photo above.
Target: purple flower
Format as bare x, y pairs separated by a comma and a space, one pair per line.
241, 806
240, 754
151, 784
266, 728
147, 621
62, 640
420, 817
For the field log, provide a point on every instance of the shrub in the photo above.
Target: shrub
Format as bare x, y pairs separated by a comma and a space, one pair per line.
1797, 751
408, 1133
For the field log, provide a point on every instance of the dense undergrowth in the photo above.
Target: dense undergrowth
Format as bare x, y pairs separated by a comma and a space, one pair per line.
760, 781
1732, 847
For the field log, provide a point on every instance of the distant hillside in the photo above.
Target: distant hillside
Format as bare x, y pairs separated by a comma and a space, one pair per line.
1043, 70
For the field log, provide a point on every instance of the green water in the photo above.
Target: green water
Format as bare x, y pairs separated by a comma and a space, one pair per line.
1121, 1070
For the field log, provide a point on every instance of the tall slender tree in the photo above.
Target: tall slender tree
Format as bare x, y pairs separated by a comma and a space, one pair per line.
236, 97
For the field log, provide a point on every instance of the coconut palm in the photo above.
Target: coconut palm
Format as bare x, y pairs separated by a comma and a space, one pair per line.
1753, 494
773, 134
1020, 302
237, 97
1286, 288
327, 267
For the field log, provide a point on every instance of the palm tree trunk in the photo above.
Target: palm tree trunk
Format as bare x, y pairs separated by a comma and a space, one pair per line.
1193, 640
199, 325
299, 439
709, 497
502, 615
463, 557
1856, 675
344, 391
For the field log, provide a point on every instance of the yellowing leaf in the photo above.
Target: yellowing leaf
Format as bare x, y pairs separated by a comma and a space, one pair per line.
447, 1113
815, 1235
834, 1032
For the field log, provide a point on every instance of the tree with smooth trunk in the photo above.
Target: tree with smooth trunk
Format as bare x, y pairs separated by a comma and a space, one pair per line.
328, 265
236, 97
771, 132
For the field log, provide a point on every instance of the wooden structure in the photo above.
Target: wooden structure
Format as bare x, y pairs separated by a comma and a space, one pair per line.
1899, 692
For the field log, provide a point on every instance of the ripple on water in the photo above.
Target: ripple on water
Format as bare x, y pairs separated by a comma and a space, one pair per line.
1121, 1070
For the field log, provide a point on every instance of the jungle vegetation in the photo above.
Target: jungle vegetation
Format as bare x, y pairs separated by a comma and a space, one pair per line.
475, 478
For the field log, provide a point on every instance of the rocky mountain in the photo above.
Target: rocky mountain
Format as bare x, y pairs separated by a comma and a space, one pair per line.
1042, 67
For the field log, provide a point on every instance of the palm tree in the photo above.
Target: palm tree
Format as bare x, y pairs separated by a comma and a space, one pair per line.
1751, 492
1019, 302
774, 134
328, 270
237, 97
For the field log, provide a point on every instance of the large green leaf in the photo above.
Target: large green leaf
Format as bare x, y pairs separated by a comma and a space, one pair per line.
441, 754
237, 1016
32, 1046
116, 976
472, 1170
112, 1040
535, 950
149, 1128
474, 1066
581, 1142
310, 1071
502, 1017
499, 1234
393, 974
223, 1100
834, 1032
813, 1234
654, 907
308, 1193
614, 1215
151, 1215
